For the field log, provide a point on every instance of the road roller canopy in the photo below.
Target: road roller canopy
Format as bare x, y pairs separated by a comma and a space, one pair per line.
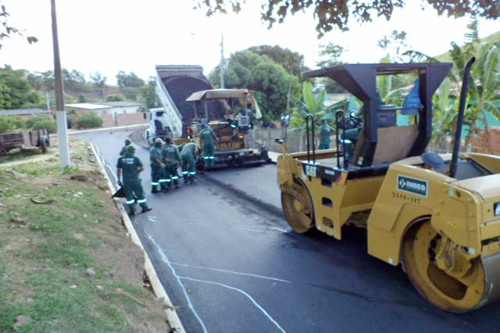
396, 142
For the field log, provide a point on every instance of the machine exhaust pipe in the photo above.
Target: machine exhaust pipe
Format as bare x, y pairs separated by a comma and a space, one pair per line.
460, 120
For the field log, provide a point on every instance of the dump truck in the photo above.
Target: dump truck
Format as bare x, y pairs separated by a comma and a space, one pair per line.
175, 83
24, 139
436, 215
234, 130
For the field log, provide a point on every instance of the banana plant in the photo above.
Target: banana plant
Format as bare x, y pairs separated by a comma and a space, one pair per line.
314, 104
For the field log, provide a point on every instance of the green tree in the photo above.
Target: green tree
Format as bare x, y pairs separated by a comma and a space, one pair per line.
149, 95
130, 80
115, 98
15, 90
73, 79
331, 54
10, 123
292, 62
98, 79
269, 80
330, 14
42, 122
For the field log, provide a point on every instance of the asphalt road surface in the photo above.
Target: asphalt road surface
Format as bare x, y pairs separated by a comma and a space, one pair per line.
230, 263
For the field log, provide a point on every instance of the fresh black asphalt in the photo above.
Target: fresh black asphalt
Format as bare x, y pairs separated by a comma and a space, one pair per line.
230, 263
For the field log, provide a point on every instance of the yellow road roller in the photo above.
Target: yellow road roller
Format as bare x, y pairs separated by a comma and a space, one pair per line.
438, 215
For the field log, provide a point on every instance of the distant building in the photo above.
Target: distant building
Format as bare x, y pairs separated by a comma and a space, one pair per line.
81, 108
112, 113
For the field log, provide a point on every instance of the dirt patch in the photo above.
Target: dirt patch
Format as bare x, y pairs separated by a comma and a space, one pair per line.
65, 259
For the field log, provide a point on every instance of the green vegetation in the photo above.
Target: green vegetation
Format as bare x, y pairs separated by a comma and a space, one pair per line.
13, 123
10, 123
270, 80
15, 90
88, 120
41, 122
51, 268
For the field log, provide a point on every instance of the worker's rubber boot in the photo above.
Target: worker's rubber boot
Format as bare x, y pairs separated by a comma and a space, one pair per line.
155, 190
146, 209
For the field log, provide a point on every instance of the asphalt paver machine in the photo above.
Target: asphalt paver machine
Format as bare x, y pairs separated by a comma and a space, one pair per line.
234, 129
436, 215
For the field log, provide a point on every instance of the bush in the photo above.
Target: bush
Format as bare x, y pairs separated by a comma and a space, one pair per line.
115, 98
88, 120
39, 123
10, 123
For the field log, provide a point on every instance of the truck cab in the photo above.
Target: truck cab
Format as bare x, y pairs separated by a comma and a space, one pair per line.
158, 126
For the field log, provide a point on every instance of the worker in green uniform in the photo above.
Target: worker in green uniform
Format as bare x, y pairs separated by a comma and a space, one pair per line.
324, 135
207, 139
158, 180
124, 148
188, 153
172, 159
131, 166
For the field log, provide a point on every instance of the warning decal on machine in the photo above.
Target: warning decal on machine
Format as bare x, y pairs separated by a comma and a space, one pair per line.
413, 185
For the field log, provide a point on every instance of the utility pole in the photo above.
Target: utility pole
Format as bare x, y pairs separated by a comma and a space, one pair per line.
62, 133
222, 62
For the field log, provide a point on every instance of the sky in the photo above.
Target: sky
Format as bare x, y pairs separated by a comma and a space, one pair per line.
109, 36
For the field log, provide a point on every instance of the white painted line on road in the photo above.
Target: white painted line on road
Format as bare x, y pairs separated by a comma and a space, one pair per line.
280, 230
232, 272
152, 218
164, 257
261, 229
242, 292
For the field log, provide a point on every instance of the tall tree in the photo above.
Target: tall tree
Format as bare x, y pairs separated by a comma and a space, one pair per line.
269, 80
130, 80
149, 94
330, 14
15, 90
98, 79
292, 62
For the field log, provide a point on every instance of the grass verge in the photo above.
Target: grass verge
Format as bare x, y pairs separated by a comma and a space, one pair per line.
66, 264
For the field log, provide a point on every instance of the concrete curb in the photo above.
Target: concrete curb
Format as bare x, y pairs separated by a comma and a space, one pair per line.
172, 317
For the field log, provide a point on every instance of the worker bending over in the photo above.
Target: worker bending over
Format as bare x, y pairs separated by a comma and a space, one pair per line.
188, 153
158, 179
172, 160
131, 166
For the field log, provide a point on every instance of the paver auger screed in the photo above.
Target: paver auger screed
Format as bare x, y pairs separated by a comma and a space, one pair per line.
437, 215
